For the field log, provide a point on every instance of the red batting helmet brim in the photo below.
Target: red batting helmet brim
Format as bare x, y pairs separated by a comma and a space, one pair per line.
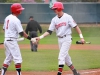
54, 8
20, 9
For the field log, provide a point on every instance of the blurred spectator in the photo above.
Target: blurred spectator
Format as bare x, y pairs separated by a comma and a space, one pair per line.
28, 1
46, 1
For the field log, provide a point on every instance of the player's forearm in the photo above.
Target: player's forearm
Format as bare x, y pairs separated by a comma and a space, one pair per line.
23, 33
79, 31
44, 35
26, 36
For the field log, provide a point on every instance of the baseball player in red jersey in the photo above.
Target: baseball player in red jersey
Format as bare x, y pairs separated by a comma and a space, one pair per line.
62, 24
12, 28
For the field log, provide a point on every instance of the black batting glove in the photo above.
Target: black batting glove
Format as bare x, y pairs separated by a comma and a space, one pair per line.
29, 38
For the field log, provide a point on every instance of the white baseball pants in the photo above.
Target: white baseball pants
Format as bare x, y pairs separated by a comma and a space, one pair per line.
64, 46
12, 52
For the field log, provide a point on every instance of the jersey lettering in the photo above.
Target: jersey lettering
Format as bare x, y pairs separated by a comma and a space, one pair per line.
60, 24
7, 24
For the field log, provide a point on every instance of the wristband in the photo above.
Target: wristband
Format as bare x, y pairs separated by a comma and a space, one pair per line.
29, 37
41, 36
81, 36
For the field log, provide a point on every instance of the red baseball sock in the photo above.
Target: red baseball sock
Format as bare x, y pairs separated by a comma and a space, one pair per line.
72, 68
18, 69
60, 69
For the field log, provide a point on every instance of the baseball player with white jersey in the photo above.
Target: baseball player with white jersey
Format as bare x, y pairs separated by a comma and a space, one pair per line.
12, 28
63, 23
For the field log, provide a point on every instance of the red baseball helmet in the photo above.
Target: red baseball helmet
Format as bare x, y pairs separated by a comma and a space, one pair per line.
58, 5
16, 8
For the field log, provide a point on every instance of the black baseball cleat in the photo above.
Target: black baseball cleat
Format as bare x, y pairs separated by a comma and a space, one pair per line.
77, 73
0, 69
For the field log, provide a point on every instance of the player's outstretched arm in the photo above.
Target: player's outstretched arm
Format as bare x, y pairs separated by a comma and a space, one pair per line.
36, 39
25, 35
44, 35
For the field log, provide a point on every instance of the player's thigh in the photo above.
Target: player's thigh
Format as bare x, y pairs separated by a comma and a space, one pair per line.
64, 47
15, 51
8, 54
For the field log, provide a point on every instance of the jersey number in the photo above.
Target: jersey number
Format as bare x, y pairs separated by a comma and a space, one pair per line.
7, 24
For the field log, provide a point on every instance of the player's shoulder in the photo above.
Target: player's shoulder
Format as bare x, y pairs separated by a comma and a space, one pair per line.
7, 17
55, 17
67, 15
12, 17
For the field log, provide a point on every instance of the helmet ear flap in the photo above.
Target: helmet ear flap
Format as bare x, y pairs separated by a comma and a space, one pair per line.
18, 12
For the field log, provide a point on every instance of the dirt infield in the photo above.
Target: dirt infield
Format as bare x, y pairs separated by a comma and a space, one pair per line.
52, 47
82, 72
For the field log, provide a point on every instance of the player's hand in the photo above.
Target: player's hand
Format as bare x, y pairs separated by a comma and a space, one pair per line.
34, 41
37, 39
82, 40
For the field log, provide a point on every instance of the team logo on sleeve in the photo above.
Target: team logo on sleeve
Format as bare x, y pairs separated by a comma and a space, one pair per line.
60, 25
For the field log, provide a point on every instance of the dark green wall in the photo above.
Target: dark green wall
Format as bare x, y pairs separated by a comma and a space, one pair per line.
81, 12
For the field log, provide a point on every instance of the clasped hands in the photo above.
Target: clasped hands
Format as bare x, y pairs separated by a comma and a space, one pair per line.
35, 40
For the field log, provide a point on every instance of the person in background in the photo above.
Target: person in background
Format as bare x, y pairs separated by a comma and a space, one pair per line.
32, 27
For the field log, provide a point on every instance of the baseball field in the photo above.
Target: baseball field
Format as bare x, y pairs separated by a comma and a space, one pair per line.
86, 58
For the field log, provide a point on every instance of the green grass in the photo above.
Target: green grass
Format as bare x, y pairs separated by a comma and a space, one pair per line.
86, 59
91, 34
47, 60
